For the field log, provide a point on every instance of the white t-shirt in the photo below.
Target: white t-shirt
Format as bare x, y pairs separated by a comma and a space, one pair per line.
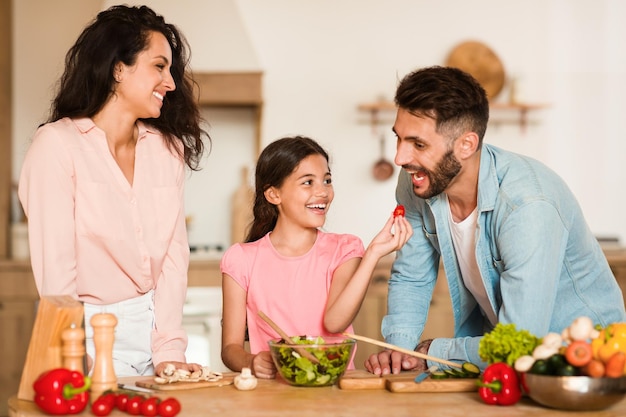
464, 240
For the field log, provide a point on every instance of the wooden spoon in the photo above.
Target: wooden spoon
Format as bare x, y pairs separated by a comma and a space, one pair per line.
288, 338
399, 349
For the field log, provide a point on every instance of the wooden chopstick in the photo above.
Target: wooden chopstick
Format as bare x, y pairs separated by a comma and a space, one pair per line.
399, 349
288, 338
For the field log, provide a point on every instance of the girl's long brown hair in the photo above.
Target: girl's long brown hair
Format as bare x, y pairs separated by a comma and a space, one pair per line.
277, 161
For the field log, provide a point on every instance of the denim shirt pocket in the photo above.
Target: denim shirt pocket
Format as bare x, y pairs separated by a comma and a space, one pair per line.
498, 265
431, 236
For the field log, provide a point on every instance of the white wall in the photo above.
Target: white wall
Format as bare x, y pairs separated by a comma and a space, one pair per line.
321, 58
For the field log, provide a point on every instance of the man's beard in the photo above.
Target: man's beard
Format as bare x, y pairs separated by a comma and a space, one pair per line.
439, 179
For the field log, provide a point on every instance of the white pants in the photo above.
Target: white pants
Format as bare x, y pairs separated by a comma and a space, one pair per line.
132, 353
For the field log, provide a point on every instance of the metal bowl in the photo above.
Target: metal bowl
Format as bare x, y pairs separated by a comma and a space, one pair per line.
580, 393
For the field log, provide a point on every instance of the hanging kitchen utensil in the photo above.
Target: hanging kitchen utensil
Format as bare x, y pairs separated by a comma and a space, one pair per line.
383, 168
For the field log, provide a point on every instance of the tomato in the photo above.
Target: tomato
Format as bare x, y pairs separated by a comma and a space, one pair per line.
133, 406
169, 407
399, 211
109, 397
121, 401
101, 407
578, 353
149, 407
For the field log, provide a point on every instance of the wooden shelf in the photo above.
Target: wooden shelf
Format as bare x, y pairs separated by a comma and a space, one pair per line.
376, 107
233, 89
521, 108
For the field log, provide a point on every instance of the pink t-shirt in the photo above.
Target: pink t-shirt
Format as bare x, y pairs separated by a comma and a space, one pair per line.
292, 291
98, 238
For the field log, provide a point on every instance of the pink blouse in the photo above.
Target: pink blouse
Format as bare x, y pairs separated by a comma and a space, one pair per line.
292, 291
94, 236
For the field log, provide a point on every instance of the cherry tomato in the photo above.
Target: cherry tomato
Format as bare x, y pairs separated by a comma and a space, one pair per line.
109, 397
149, 407
169, 407
399, 211
121, 401
133, 406
101, 407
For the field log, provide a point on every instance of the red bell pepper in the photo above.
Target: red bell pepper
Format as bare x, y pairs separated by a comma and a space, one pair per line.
500, 385
62, 391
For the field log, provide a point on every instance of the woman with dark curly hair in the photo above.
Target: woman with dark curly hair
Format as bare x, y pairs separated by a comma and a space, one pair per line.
102, 185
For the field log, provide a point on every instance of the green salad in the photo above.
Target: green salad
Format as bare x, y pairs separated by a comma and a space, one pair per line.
301, 371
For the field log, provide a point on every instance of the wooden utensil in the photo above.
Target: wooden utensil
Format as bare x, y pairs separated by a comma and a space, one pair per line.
288, 338
399, 349
482, 63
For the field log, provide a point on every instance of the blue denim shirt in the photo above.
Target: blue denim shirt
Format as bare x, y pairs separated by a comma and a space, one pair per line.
541, 265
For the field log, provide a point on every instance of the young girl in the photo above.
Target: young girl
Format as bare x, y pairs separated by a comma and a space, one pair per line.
308, 281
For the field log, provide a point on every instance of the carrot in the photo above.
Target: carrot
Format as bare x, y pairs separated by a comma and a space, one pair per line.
615, 365
578, 353
594, 369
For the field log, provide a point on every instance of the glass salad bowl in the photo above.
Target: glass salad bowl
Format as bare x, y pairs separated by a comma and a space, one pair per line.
296, 362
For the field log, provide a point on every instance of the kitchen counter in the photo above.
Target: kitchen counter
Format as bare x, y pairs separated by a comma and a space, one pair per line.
274, 398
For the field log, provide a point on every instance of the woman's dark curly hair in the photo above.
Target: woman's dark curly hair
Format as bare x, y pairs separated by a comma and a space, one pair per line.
119, 34
277, 161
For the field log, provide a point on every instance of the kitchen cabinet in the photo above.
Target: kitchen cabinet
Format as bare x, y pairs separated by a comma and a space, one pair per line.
440, 322
6, 123
18, 299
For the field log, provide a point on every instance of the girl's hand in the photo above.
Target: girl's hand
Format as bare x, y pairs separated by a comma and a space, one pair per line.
396, 232
263, 365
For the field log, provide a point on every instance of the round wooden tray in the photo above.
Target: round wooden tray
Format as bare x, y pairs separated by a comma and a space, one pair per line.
482, 63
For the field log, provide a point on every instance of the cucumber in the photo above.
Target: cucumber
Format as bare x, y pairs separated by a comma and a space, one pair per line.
470, 370
439, 375
540, 367
456, 373
452, 373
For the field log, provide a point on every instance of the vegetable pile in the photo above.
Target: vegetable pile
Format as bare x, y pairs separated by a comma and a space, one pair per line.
333, 360
581, 349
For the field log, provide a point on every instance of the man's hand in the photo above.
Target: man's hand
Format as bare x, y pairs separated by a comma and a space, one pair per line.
389, 361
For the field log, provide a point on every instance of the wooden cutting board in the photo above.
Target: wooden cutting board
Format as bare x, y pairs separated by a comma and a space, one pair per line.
432, 385
181, 385
404, 382
361, 379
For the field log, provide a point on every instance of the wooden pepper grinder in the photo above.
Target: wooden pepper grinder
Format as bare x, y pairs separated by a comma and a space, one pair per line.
73, 351
103, 377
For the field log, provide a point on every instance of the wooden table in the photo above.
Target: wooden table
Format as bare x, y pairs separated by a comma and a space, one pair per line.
273, 398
